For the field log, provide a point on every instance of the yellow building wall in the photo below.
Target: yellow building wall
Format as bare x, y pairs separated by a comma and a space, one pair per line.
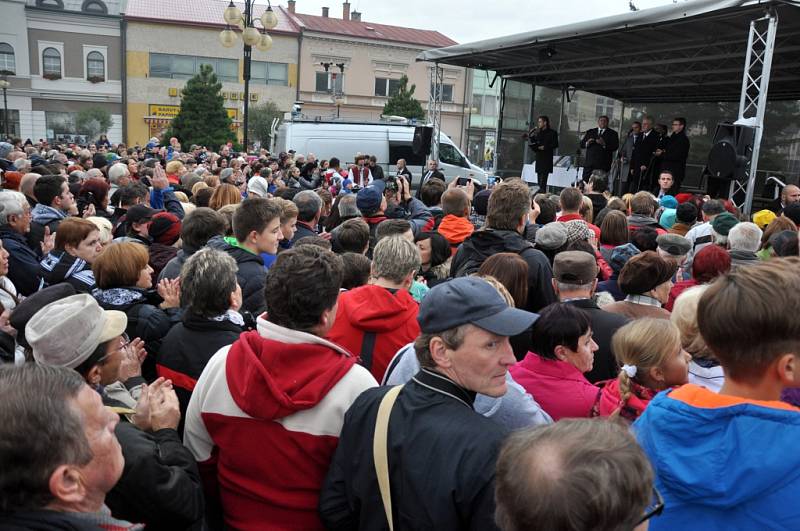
138, 63
138, 130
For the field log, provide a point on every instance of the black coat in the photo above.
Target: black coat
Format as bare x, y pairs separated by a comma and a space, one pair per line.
23, 262
160, 484
303, 230
547, 139
145, 319
643, 155
675, 155
427, 174
453, 490
250, 274
599, 157
604, 324
484, 243
44, 520
186, 349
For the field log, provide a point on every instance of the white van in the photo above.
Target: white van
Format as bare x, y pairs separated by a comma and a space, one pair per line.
387, 141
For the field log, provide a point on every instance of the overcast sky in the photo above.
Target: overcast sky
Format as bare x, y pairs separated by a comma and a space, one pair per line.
472, 20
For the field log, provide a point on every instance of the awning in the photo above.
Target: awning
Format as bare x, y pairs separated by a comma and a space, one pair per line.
686, 52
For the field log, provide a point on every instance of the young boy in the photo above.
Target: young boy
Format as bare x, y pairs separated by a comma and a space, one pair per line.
730, 460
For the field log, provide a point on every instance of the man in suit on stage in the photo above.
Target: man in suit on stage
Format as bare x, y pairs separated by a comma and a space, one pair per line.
628, 166
543, 141
642, 156
600, 144
674, 155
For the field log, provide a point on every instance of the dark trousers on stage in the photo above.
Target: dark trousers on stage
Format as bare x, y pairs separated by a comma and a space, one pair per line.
542, 180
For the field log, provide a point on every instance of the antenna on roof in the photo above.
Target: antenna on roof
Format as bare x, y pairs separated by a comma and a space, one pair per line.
632, 6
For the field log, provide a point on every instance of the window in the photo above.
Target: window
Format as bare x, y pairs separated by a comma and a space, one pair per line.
326, 83
95, 6
95, 67
185, 66
604, 107
13, 123
59, 124
386, 87
447, 92
405, 151
7, 63
450, 155
269, 73
51, 63
55, 4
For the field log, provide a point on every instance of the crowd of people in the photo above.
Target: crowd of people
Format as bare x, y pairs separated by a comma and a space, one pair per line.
198, 339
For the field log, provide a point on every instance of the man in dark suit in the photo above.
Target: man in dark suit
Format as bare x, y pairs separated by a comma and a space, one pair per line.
432, 173
643, 155
600, 144
674, 155
543, 141
628, 166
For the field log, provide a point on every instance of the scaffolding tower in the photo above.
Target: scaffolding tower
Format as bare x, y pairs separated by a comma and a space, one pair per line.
435, 108
753, 100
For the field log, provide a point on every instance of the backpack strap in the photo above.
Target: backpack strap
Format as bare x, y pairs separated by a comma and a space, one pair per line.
380, 450
367, 348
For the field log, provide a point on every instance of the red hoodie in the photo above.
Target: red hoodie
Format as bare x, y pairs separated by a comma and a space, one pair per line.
391, 317
264, 421
455, 229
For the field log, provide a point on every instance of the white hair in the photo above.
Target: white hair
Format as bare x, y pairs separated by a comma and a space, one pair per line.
745, 236
94, 173
116, 172
11, 204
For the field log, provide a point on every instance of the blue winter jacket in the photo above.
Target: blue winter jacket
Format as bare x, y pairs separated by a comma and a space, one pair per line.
722, 462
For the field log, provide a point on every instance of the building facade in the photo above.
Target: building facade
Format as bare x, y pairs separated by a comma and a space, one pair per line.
374, 57
61, 57
168, 40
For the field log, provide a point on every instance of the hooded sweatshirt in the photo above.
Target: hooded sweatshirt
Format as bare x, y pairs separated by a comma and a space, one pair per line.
43, 216
722, 462
264, 420
455, 229
375, 316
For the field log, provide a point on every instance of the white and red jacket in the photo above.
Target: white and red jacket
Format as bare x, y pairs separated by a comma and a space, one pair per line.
264, 421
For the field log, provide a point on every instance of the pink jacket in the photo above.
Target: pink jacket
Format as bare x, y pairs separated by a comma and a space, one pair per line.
561, 389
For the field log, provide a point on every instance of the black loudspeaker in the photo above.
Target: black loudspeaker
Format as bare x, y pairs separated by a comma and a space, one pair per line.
422, 140
731, 151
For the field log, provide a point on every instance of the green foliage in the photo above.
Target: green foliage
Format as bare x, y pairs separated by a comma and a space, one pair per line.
202, 119
93, 121
404, 103
259, 121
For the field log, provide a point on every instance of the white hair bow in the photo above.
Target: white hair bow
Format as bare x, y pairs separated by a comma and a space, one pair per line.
630, 370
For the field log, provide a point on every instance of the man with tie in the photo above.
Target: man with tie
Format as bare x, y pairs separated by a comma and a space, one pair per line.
627, 166
432, 173
643, 156
600, 144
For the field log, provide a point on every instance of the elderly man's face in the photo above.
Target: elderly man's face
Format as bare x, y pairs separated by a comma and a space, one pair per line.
481, 362
105, 468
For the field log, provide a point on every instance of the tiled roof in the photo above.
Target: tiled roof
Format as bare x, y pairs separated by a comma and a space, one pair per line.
370, 30
198, 13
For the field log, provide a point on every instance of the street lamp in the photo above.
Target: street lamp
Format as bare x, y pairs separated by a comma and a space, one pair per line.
4, 84
251, 36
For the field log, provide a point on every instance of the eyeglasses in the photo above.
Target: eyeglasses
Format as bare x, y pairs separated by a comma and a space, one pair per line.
655, 508
123, 346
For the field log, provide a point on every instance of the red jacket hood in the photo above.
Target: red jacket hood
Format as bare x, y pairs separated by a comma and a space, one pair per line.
455, 229
376, 309
275, 372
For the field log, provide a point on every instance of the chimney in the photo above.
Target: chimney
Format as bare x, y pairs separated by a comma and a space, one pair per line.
325, 12
346, 11
355, 16
291, 6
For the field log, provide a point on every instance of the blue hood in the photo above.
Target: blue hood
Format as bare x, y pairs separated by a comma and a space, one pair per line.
735, 463
44, 214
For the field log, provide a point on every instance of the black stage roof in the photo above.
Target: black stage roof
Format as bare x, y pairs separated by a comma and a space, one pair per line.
687, 52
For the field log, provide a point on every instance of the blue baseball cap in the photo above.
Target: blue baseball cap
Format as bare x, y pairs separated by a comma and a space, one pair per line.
471, 300
370, 197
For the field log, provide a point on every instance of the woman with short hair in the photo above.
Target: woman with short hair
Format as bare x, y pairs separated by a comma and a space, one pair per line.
123, 277
77, 245
435, 257
563, 350
211, 298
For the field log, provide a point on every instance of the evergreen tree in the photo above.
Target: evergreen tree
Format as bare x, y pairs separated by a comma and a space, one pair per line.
404, 103
259, 121
202, 119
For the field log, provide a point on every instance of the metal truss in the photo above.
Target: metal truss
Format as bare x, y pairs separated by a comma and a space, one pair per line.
435, 108
753, 100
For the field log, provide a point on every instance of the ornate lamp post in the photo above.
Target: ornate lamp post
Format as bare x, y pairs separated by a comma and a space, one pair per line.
4, 84
251, 36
